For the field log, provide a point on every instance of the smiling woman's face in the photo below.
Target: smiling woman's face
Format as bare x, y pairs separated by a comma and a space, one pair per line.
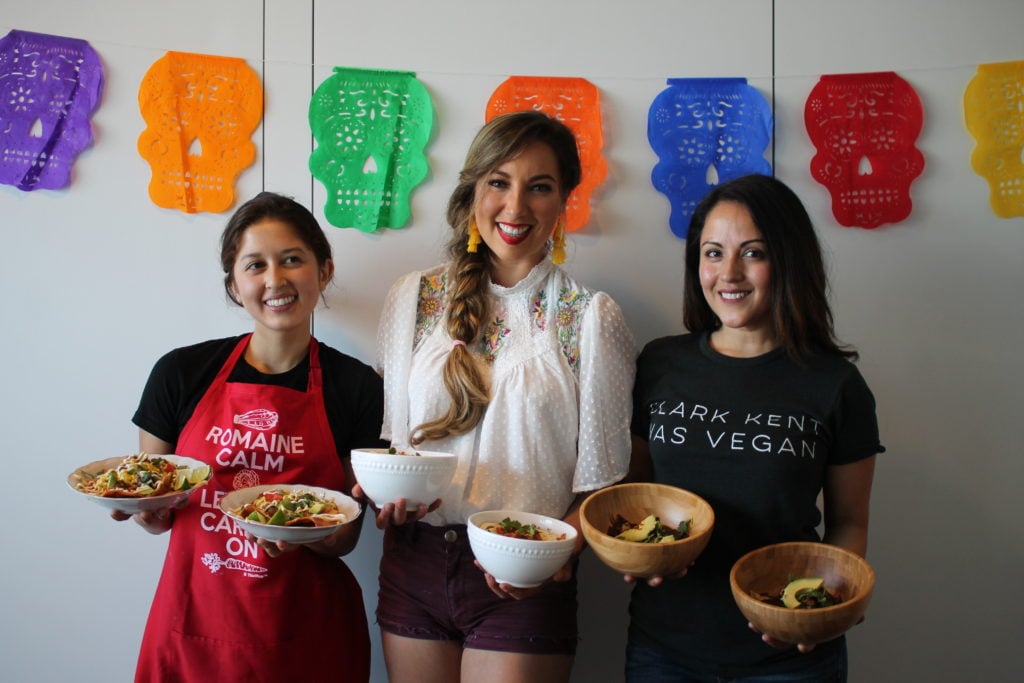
276, 276
516, 207
735, 273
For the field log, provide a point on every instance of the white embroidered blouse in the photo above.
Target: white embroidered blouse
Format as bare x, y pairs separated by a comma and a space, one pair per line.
560, 361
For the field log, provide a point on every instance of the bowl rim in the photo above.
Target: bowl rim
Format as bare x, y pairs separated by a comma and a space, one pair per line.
844, 605
571, 534
377, 452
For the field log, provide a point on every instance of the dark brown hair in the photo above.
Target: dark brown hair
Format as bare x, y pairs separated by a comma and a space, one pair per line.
800, 312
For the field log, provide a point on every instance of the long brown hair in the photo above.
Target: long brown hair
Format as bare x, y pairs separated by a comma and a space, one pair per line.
501, 139
800, 311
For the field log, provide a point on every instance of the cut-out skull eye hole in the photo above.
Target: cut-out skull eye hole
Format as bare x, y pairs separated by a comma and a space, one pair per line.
864, 127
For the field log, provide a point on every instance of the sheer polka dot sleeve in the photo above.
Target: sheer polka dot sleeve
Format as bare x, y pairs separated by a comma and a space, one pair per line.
394, 355
607, 369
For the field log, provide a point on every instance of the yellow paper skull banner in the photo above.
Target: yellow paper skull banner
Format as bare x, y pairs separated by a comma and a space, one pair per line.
994, 113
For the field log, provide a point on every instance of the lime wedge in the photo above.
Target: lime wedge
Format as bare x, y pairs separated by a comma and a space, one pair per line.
199, 474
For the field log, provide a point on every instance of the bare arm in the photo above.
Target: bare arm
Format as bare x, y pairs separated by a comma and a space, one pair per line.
847, 502
640, 467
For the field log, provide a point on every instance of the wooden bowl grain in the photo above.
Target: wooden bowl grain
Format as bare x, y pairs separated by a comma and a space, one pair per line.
767, 570
634, 502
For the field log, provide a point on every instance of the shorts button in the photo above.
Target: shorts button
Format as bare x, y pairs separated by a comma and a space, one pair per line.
451, 536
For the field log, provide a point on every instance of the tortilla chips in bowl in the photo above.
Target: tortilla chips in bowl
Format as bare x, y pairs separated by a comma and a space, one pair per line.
292, 513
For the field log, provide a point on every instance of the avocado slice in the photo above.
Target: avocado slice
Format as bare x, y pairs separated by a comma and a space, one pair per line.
790, 595
278, 518
641, 531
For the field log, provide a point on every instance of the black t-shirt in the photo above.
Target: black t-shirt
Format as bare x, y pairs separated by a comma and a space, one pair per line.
752, 436
353, 392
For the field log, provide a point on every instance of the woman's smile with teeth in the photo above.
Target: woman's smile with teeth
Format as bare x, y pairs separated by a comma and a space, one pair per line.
733, 296
281, 301
514, 231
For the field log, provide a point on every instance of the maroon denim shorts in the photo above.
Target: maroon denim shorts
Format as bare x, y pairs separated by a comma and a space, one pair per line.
430, 589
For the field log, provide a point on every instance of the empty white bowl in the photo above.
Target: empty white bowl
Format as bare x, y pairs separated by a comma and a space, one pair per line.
520, 562
386, 477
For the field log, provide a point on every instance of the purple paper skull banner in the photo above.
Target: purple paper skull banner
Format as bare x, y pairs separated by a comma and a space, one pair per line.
49, 88
705, 131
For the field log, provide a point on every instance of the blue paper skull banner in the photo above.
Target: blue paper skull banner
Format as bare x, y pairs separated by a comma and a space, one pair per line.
705, 131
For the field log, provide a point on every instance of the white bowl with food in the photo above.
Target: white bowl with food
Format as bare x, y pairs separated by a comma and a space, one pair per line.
387, 475
292, 513
520, 548
139, 481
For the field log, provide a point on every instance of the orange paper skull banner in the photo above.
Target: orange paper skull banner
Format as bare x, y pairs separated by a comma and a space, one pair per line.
200, 112
864, 127
576, 103
994, 113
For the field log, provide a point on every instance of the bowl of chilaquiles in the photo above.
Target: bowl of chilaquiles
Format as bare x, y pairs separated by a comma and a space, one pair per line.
646, 529
520, 548
802, 592
139, 481
292, 513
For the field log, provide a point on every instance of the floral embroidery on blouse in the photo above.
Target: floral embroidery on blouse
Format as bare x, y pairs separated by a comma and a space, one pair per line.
568, 315
431, 304
493, 337
540, 310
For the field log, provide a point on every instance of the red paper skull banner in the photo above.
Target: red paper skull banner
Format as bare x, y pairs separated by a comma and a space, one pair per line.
864, 127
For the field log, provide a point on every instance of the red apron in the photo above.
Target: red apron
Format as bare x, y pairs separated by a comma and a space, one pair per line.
224, 611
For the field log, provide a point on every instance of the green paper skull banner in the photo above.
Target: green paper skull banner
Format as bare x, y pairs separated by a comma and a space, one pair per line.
371, 128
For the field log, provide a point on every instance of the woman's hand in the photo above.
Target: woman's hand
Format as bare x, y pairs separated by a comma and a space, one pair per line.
394, 514
780, 645
507, 590
657, 579
153, 521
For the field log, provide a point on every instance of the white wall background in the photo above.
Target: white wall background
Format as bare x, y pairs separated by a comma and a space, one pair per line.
97, 282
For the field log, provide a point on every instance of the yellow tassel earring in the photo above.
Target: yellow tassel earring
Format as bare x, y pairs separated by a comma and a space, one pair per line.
474, 237
558, 242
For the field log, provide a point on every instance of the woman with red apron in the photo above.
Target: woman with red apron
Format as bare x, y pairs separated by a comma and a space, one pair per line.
229, 608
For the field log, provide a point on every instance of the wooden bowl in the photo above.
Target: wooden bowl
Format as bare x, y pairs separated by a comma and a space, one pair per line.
672, 505
767, 570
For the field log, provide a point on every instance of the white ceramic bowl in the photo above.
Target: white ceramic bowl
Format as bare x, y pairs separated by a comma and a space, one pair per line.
518, 561
387, 477
290, 534
132, 505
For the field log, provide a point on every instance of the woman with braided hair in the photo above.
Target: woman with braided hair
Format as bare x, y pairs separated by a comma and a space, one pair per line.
525, 374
